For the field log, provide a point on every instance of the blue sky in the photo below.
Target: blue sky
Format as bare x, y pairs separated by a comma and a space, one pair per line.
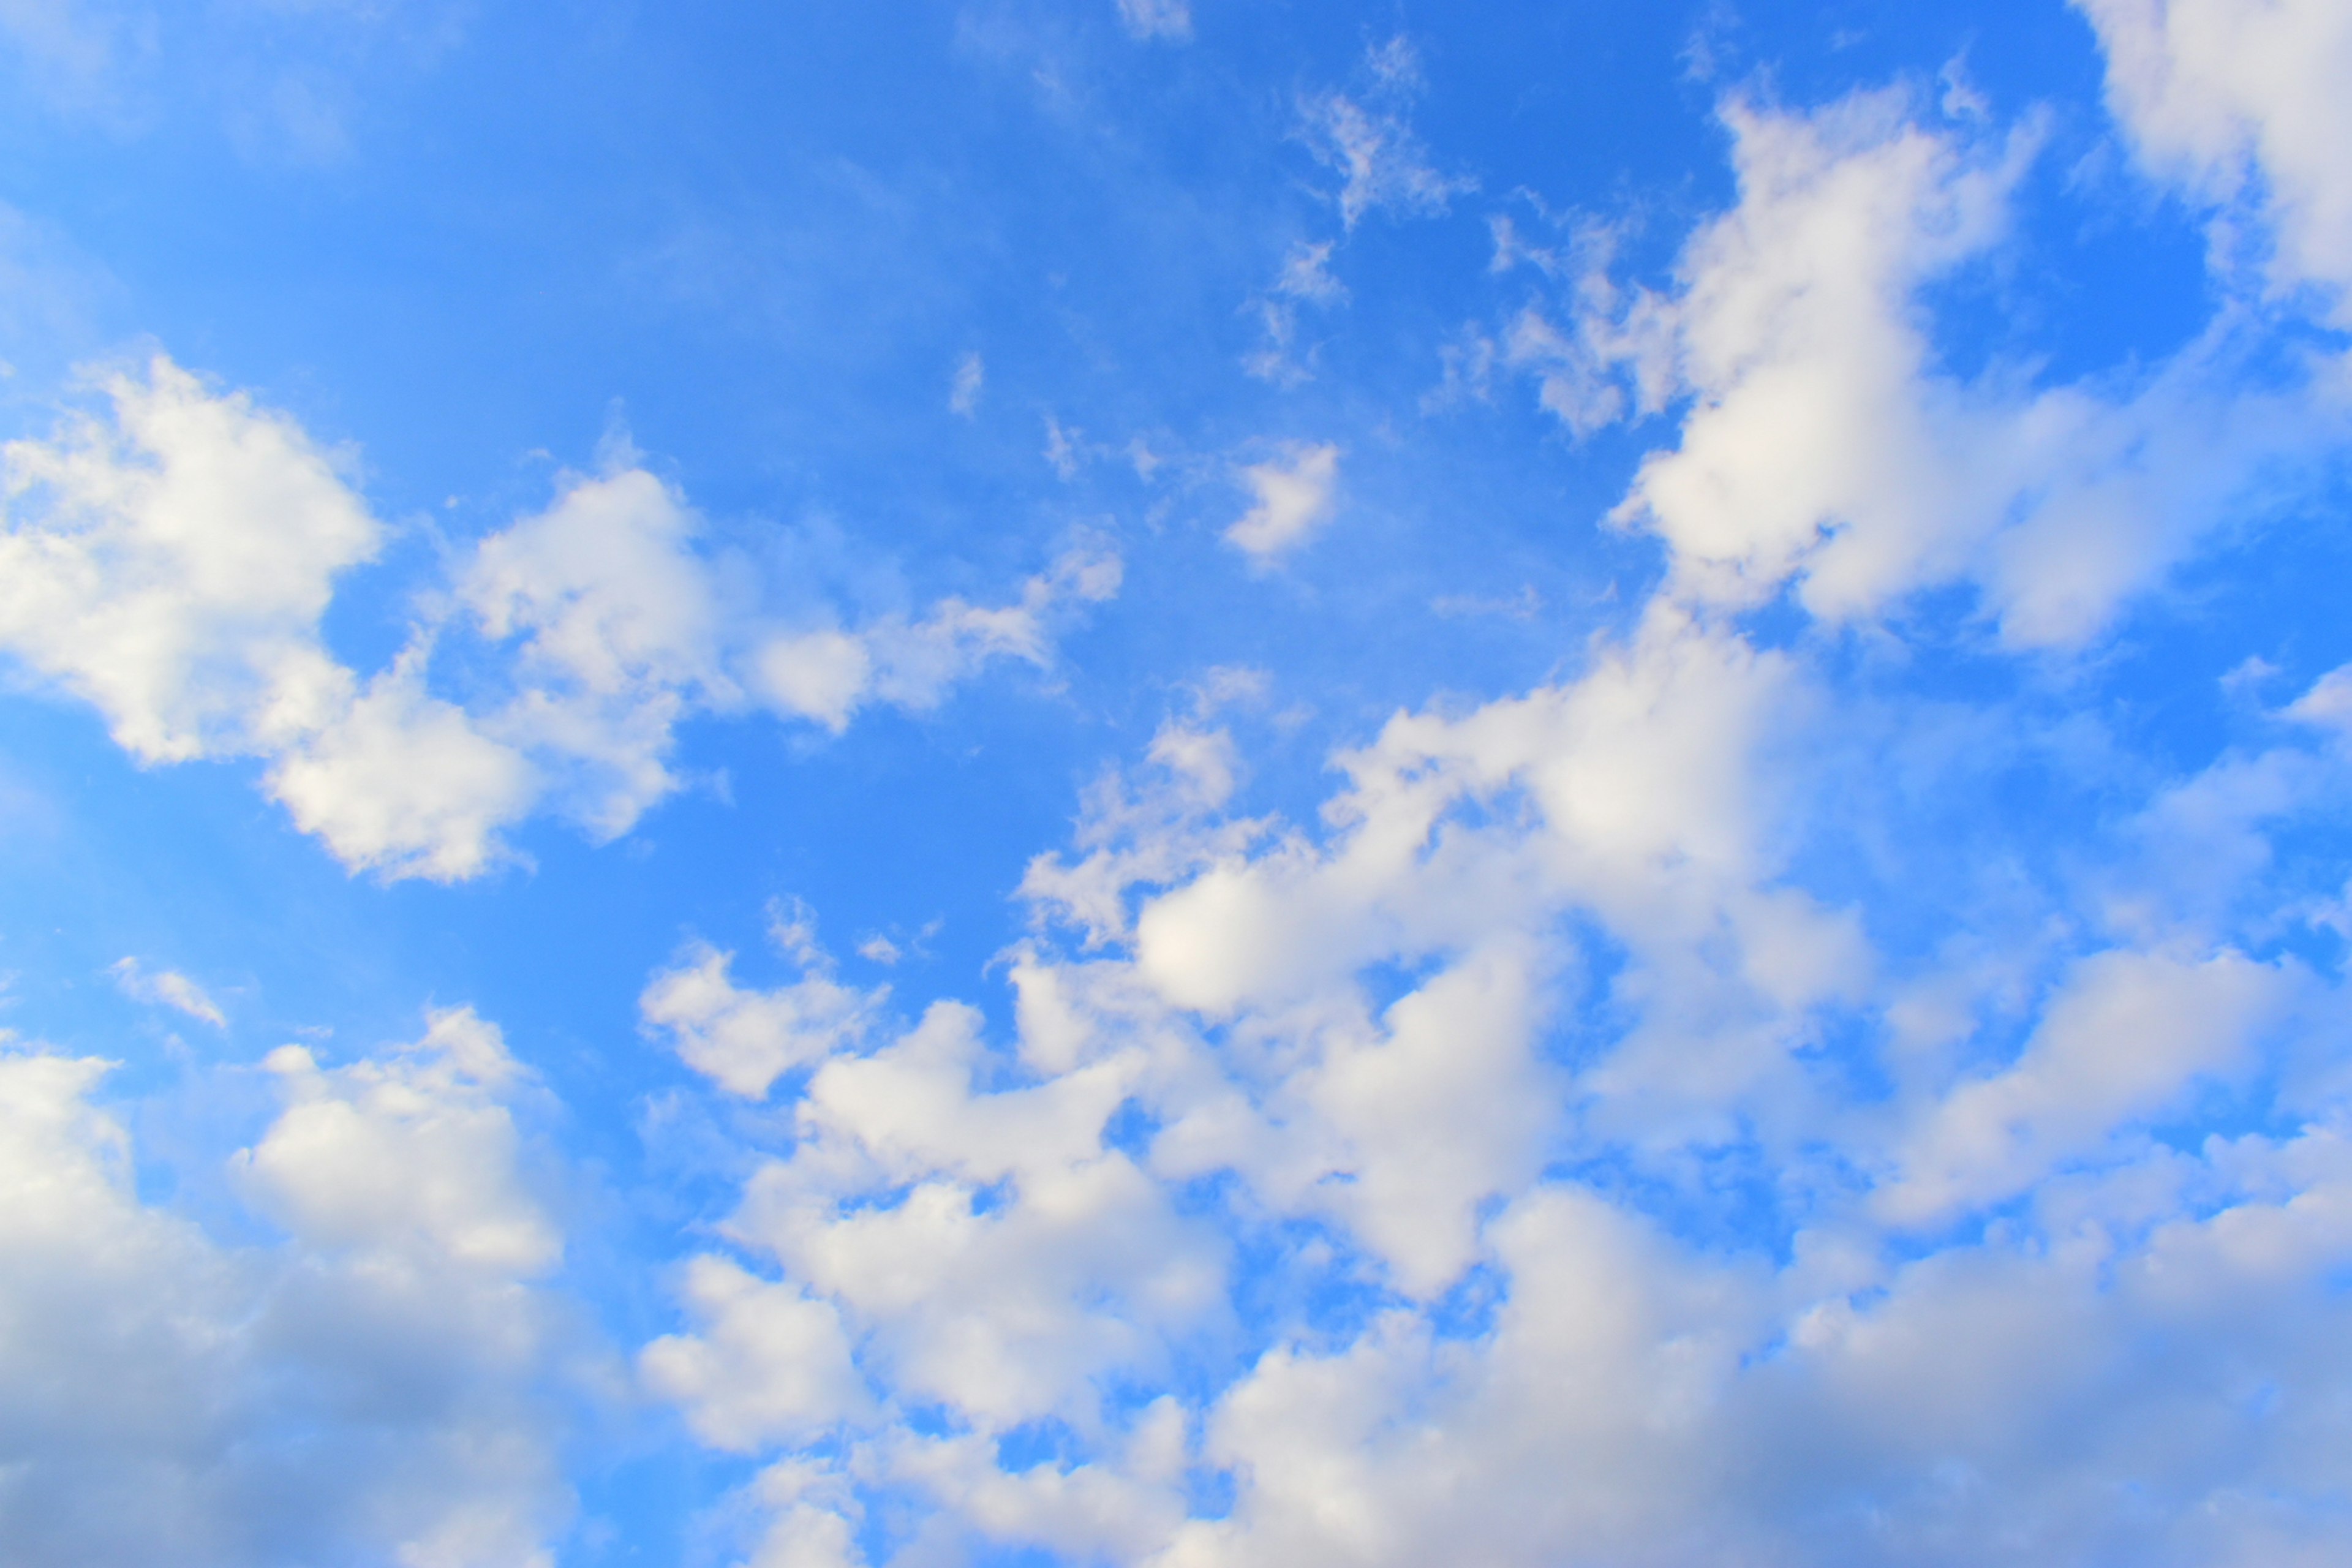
1176, 784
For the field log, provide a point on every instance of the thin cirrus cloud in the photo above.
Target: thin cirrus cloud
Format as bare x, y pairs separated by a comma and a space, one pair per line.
167, 988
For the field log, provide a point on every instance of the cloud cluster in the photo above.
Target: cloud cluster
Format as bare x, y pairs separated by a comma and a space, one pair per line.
1658, 1117
170, 563
1822, 441
373, 1386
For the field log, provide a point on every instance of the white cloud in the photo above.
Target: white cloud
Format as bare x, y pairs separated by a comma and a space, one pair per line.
770, 1364
744, 1040
2243, 104
401, 782
2127, 1036
1170, 19
1026, 1258
1294, 497
827, 676
170, 565
373, 1387
964, 389
1369, 143
1821, 444
616, 627
167, 988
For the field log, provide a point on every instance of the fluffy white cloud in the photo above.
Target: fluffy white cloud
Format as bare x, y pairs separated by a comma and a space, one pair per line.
1294, 497
768, 1364
1821, 443
615, 625
170, 565
2243, 104
373, 1386
2126, 1034
744, 1040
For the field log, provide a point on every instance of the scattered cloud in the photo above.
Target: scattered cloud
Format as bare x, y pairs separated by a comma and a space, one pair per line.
1304, 278
1295, 497
2244, 107
1369, 142
167, 988
744, 1040
965, 388
1169, 19
170, 564
1820, 444
1547, 978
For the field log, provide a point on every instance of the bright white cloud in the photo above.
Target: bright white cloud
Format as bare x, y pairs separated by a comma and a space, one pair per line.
1295, 495
2127, 1034
2243, 104
769, 1365
171, 566
744, 1040
1821, 443
615, 625
372, 1387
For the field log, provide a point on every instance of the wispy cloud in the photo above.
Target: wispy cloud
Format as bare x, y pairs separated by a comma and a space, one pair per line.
167, 988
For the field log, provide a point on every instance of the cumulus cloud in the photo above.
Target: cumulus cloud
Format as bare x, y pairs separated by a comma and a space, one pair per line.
1708, 1166
170, 563
1295, 495
375, 1386
2243, 105
1820, 442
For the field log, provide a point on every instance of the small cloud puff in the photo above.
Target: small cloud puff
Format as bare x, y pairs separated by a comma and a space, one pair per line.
167, 988
1295, 497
